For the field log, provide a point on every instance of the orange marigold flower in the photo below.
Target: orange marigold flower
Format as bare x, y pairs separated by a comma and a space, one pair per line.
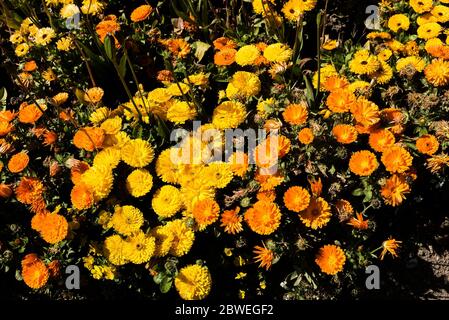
296, 199
30, 66
178, 47
263, 218
358, 222
5, 191
29, 113
224, 43
225, 57
29, 190
396, 159
381, 139
330, 259
94, 95
317, 214
394, 190
269, 196
205, 212
77, 168
89, 138
29, 260
239, 163
305, 136
344, 133
50, 137
268, 181
66, 115
316, 186
7, 115
271, 149
296, 113
35, 274
5, 127
38, 220
231, 221
264, 256
340, 100
363, 163
427, 144
390, 245
81, 197
18, 162
335, 82
365, 112
141, 13
344, 206
54, 228
109, 26
54, 268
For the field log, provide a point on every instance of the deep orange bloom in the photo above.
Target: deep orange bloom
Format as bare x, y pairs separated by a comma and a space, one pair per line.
5, 191
29, 113
397, 159
109, 26
394, 190
363, 163
340, 100
263, 218
358, 222
34, 272
427, 144
317, 214
390, 245
344, 133
295, 114
89, 138
205, 212
231, 221
224, 43
29, 190
381, 140
225, 57
7, 115
82, 198
305, 136
30, 66
330, 259
54, 228
365, 112
5, 127
178, 47
77, 169
54, 268
141, 13
50, 137
333, 83
264, 256
18, 162
316, 186
296, 199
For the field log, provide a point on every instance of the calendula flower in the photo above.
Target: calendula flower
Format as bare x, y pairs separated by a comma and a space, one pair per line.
69, 10
305, 136
441, 13
22, 49
264, 256
99, 180
437, 72
394, 190
34, 272
396, 159
178, 47
183, 237
344, 133
167, 201
296, 199
335, 82
92, 7
54, 228
330, 259
163, 240
205, 212
363, 163
278, 52
30, 113
193, 282
317, 214
64, 44
416, 62
391, 246
81, 197
139, 182
243, 84
139, 248
398, 22
180, 112
229, 114
218, 174
427, 144
137, 153
247, 55
364, 63
365, 112
381, 140
429, 30
89, 138
225, 57
44, 36
238, 162
18, 162
127, 219
231, 221
263, 218
293, 9
421, 6
94, 95
358, 222
295, 114
141, 13
114, 250
108, 157
340, 100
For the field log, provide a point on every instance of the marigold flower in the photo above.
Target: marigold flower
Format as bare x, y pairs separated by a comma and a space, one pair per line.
89, 138
427, 144
296, 199
225, 57
340, 100
137, 153
381, 140
264, 256
205, 212
344, 133
193, 282
81, 197
358, 222
305, 136
394, 190
34, 272
141, 13
295, 114
54, 228
330, 259
365, 112
317, 214
29, 113
167, 201
183, 237
263, 218
363, 163
437, 72
139, 182
231, 221
139, 248
390, 245
18, 162
396, 159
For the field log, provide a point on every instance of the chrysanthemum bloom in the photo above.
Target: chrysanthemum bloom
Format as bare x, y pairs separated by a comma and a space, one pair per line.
231, 221
81, 197
183, 237
181, 111
238, 162
390, 245
317, 214
54, 228
5, 191
34, 272
427, 144
205, 212
381, 140
429, 30
18, 162
243, 85
437, 73
193, 282
296, 199
330, 259
340, 100
264, 256
293, 9
365, 112
344, 133
141, 13
127, 219
278, 52
44, 36
139, 182
229, 114
167, 201
295, 114
363, 163
225, 57
99, 180
29, 113
247, 55
114, 250
89, 138
358, 222
396, 159
139, 248
263, 218
178, 47
305, 136
394, 190
398, 22
137, 153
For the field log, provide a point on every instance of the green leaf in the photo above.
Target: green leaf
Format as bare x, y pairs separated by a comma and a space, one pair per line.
158, 278
3, 96
200, 49
122, 66
357, 192
109, 47
166, 284
368, 195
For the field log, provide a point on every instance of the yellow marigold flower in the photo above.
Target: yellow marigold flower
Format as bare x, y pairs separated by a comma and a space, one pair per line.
421, 6
16, 38
330, 259
181, 111
396, 159
198, 79
109, 157
296, 199
22, 49
114, 250
394, 190
218, 174
363, 163
358, 85
44, 36
416, 62
139, 248
178, 47
278, 52
326, 71
384, 74
64, 44
166, 170
364, 63
183, 237
437, 73
127, 219
262, 6
231, 221
293, 9
247, 55
381, 140
429, 30
317, 214
329, 45
139, 182
99, 115
99, 180
384, 55
159, 95
243, 85
69, 10
205, 212
390, 245
441, 13
229, 114
112, 125
263, 218
92, 7
167, 201
264, 256
427, 144
137, 153
193, 282
398, 22
178, 89
163, 240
